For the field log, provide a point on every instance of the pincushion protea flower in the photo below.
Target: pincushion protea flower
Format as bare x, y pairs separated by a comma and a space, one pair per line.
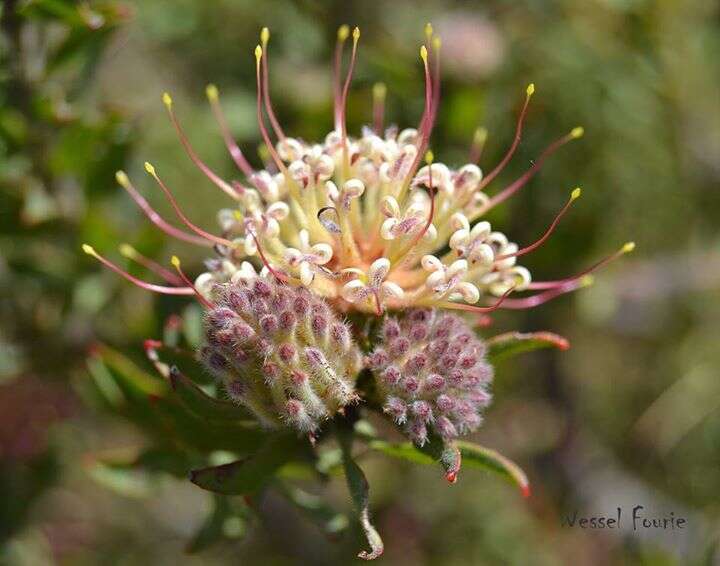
356, 225
361, 221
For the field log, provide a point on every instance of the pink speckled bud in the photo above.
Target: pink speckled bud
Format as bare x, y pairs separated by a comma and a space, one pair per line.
269, 344
432, 373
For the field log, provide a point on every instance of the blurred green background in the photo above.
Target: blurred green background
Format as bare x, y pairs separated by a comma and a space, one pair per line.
630, 415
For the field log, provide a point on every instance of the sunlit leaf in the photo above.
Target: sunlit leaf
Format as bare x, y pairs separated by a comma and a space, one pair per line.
359, 492
512, 343
248, 475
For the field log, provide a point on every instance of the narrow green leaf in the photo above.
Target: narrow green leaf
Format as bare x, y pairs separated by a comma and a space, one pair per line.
248, 475
136, 379
201, 404
513, 343
359, 492
473, 456
476, 456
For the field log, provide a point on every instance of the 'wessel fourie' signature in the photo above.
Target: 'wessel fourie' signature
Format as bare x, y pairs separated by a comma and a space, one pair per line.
637, 519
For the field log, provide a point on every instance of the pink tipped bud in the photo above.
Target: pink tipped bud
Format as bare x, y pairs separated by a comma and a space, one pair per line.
392, 375
236, 390
287, 321
396, 408
315, 357
467, 361
416, 363
422, 410
298, 377
445, 403
418, 332
262, 288
269, 324
378, 359
391, 329
399, 346
434, 382
301, 306
287, 353
319, 325
243, 332
271, 371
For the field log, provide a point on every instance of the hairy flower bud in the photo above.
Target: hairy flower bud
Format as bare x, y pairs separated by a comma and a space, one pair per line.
432, 373
269, 345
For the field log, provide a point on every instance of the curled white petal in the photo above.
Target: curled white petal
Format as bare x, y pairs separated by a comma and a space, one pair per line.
470, 293
459, 221
306, 273
390, 207
352, 290
391, 289
386, 230
431, 263
323, 253
379, 269
457, 268
354, 188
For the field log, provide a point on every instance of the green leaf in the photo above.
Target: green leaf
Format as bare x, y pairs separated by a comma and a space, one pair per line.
472, 455
512, 343
250, 474
201, 404
476, 456
359, 492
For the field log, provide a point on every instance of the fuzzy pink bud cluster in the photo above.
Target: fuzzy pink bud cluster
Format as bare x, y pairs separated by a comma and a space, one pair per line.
431, 371
281, 352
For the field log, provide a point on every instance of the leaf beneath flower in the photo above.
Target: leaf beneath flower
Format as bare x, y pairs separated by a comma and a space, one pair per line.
250, 474
512, 343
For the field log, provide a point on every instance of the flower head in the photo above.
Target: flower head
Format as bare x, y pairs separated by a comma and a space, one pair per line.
369, 223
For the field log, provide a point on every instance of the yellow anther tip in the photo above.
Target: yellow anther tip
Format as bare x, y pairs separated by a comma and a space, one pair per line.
149, 168
212, 92
343, 32
428, 29
586, 280
379, 90
264, 35
530, 89
258, 52
628, 247
126, 250
423, 53
356, 33
175, 260
437, 43
122, 178
576, 193
238, 215
89, 250
577, 132
480, 135
167, 99
429, 157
